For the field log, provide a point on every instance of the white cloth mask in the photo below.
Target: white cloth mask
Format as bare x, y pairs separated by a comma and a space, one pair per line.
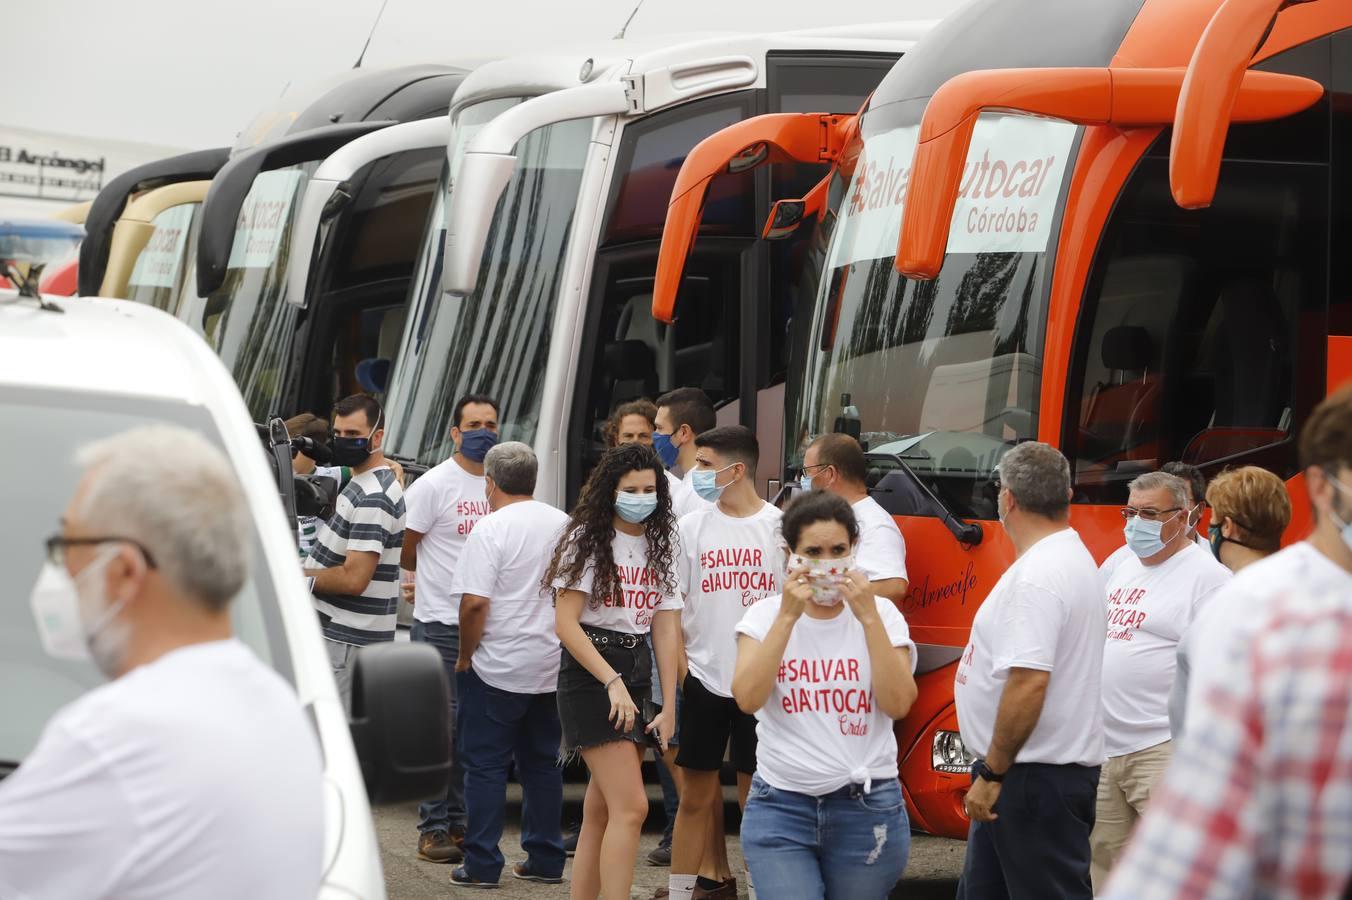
825, 576
72, 623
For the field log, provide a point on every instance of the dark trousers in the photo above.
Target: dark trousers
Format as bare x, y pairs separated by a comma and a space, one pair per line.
444, 813
499, 728
1038, 848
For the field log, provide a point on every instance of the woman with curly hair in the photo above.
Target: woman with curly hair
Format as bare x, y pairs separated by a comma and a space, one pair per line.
614, 576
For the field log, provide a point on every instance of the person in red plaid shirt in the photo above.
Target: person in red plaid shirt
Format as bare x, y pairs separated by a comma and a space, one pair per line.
1258, 800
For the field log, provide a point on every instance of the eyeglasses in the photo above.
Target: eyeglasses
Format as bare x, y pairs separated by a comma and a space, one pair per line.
57, 544
817, 466
1150, 515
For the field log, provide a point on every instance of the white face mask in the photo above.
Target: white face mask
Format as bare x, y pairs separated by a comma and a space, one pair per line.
74, 619
824, 576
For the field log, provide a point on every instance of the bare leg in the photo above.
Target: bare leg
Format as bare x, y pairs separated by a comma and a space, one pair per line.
586, 881
694, 821
617, 776
717, 856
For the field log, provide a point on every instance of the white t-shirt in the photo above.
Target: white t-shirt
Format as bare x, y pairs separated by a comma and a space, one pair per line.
443, 505
881, 553
1124, 553
1235, 609
1045, 613
197, 775
684, 500
1149, 610
820, 729
727, 564
505, 560
641, 591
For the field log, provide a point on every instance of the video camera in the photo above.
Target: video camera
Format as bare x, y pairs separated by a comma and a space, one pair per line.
302, 495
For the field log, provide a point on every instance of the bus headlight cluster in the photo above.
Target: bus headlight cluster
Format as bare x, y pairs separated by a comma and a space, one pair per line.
949, 754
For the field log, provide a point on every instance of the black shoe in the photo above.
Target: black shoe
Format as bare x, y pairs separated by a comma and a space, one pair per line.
570, 842
461, 878
661, 855
523, 871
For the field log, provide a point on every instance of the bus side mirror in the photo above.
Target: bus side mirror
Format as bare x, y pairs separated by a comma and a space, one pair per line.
785, 217
400, 722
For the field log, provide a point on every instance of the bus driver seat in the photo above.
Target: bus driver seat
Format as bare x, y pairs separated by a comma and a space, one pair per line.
1121, 414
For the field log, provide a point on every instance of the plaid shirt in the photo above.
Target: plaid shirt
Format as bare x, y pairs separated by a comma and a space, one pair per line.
1258, 800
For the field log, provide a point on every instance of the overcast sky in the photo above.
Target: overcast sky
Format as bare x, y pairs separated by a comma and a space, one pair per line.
192, 73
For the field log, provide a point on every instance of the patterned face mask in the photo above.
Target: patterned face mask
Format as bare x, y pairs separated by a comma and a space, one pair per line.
824, 576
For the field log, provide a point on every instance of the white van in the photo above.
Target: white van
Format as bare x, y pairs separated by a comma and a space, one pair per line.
75, 370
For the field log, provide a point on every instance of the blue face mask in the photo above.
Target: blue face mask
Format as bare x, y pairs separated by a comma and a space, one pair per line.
635, 508
1144, 537
705, 483
666, 450
805, 484
474, 445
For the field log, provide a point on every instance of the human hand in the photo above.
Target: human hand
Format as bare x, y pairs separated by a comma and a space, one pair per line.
858, 592
406, 591
463, 663
980, 801
662, 727
797, 593
622, 708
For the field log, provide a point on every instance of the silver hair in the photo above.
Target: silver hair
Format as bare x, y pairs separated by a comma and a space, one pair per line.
1039, 478
1150, 481
174, 492
513, 468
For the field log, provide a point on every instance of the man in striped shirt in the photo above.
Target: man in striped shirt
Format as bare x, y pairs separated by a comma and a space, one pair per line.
355, 560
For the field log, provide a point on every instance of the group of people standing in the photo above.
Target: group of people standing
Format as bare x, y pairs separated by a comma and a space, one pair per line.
684, 614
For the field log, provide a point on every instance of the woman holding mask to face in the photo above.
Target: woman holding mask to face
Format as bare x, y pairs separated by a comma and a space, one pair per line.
826, 667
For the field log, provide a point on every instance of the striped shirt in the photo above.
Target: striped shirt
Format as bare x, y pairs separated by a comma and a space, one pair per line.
368, 518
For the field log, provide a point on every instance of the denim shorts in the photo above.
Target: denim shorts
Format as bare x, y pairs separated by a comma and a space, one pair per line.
659, 700
584, 704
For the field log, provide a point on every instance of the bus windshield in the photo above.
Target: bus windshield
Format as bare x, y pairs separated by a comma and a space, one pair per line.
944, 374
247, 320
496, 339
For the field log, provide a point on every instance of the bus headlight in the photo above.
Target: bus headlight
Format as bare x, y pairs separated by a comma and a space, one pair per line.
949, 753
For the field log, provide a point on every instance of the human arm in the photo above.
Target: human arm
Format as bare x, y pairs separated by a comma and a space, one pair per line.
893, 684
893, 589
667, 645
350, 578
568, 625
758, 659
408, 556
1020, 707
473, 617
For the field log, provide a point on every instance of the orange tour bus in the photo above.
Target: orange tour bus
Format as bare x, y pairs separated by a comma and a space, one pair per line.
1110, 226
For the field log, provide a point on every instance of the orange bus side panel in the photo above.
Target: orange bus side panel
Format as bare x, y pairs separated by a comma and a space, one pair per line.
1340, 361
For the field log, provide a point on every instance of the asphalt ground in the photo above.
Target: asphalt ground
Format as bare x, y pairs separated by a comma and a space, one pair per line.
931, 873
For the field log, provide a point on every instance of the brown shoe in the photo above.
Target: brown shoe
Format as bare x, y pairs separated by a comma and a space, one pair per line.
438, 847
725, 891
661, 894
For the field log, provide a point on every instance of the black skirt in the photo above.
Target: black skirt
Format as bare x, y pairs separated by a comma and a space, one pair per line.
584, 704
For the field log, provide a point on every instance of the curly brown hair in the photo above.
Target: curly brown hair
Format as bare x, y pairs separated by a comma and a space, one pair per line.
591, 527
611, 430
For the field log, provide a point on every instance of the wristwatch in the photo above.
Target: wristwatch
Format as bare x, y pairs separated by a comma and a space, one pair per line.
983, 771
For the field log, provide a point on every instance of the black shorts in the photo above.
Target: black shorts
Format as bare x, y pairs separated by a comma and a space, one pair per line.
708, 721
584, 704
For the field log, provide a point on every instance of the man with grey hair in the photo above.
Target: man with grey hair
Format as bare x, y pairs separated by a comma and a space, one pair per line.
195, 755
507, 674
1027, 694
1153, 597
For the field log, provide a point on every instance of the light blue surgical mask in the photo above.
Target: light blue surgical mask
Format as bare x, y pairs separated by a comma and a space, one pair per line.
1345, 528
705, 483
1144, 537
635, 508
805, 483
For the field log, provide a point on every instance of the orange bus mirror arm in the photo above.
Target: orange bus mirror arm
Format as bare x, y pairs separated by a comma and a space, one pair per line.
777, 137
1209, 93
1103, 96
786, 215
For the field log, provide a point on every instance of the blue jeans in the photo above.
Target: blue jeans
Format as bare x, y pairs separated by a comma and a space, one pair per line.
449, 812
845, 845
670, 799
498, 728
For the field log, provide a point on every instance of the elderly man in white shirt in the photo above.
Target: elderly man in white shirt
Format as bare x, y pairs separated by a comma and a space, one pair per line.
194, 771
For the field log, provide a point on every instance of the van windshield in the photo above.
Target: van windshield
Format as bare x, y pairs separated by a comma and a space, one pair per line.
33, 685
944, 374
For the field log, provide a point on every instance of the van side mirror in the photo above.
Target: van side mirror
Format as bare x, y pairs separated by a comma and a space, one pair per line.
400, 722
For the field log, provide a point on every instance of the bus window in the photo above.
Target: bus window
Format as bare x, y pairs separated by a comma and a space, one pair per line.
1340, 272
1201, 329
158, 273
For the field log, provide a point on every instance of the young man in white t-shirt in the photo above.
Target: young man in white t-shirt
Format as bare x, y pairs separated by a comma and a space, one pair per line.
836, 463
507, 674
443, 507
1152, 600
682, 415
1028, 699
732, 556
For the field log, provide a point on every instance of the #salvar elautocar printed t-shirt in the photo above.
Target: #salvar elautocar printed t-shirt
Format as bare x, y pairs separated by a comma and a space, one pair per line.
640, 593
820, 728
444, 505
727, 565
